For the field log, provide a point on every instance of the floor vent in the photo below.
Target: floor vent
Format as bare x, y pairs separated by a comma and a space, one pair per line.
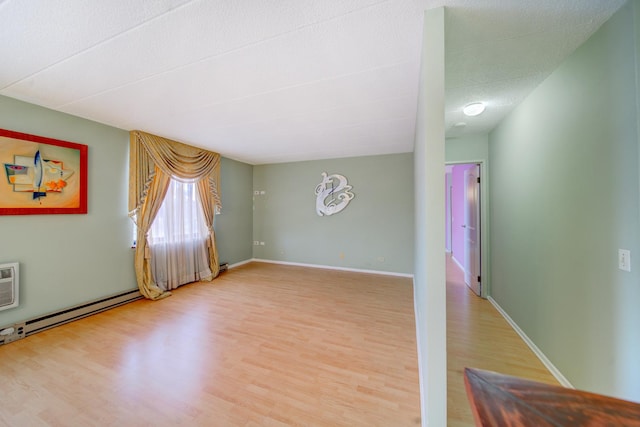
48, 321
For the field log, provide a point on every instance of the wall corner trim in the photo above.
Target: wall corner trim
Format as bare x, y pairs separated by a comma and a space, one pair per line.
545, 361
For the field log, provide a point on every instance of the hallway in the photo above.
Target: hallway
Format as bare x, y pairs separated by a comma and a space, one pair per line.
479, 337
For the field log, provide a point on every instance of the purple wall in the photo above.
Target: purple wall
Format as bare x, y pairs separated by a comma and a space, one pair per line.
447, 215
457, 212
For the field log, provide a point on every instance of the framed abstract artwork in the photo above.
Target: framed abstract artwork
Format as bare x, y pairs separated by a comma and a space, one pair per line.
41, 175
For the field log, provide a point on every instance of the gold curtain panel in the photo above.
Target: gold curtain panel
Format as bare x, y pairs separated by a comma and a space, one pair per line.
153, 161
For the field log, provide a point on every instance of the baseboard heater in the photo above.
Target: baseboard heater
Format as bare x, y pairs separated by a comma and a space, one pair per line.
29, 327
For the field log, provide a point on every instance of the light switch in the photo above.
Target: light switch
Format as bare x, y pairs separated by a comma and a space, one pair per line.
624, 259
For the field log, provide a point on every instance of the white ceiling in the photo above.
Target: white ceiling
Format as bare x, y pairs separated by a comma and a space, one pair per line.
267, 81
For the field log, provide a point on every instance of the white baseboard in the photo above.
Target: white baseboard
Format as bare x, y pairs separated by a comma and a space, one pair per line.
418, 323
545, 361
238, 264
453, 257
331, 267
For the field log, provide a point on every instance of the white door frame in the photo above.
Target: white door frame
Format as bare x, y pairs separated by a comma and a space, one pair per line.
485, 272
448, 205
472, 252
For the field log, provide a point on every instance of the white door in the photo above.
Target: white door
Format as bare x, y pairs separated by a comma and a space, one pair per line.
472, 228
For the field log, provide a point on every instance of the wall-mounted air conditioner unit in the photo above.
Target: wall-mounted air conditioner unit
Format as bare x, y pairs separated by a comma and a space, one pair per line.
9, 280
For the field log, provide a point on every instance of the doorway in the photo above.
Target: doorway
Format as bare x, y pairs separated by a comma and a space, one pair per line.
463, 225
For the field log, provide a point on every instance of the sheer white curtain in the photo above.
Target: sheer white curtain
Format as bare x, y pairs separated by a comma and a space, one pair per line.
178, 238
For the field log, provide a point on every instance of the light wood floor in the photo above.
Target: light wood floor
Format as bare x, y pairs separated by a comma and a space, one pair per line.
263, 345
479, 337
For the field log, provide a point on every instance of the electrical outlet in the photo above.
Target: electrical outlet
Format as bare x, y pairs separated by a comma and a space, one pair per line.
12, 333
256, 193
256, 243
624, 259
261, 243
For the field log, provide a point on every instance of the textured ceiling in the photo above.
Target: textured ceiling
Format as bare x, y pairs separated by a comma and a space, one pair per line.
281, 80
499, 51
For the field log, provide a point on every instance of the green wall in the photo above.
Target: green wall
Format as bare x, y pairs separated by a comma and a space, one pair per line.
564, 198
234, 225
67, 260
70, 259
467, 149
374, 232
429, 281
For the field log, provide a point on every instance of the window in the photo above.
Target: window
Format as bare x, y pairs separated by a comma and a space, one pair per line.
178, 238
180, 217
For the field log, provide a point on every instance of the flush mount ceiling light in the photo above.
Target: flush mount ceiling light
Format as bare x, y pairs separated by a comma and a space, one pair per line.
473, 109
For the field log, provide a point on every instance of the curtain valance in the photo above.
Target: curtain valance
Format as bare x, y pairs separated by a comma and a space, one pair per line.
174, 159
